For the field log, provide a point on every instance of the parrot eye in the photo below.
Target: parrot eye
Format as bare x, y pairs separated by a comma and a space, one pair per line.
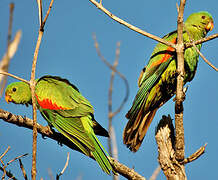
203, 17
14, 89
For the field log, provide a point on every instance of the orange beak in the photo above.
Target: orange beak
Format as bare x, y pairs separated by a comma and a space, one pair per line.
8, 98
209, 26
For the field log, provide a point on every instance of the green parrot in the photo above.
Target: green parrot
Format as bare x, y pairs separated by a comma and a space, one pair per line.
157, 81
64, 108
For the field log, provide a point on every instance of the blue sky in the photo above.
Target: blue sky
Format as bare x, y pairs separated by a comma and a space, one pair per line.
67, 50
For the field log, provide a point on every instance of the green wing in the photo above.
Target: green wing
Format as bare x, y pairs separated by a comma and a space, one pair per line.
159, 61
61, 104
58, 94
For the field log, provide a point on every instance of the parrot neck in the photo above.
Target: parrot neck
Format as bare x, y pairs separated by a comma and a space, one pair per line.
195, 33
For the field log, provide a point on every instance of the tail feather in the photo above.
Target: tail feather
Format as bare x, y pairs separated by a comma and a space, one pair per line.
136, 129
100, 156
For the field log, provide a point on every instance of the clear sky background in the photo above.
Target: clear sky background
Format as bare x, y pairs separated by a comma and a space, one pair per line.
67, 50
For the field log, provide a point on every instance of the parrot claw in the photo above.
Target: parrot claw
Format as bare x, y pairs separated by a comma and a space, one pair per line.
184, 95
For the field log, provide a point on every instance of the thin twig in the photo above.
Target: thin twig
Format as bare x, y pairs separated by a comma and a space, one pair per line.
134, 28
115, 70
4, 169
6, 60
39, 2
22, 169
125, 171
50, 174
18, 157
5, 152
195, 155
112, 144
8, 173
204, 58
15, 77
65, 166
110, 113
32, 87
47, 14
155, 173
9, 55
190, 44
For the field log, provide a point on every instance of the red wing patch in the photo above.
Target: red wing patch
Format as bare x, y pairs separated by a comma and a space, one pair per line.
165, 57
47, 104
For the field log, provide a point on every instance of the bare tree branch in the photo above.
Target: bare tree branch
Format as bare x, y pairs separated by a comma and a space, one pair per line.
155, 173
45, 131
165, 137
190, 44
65, 166
32, 85
5, 152
39, 2
11, 49
179, 89
115, 70
23, 170
15, 77
113, 151
179, 142
125, 171
134, 28
204, 58
18, 157
195, 156
8, 173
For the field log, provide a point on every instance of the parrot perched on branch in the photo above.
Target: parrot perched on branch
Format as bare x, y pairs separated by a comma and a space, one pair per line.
157, 81
64, 108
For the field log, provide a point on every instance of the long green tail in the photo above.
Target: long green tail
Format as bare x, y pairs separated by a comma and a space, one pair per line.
99, 153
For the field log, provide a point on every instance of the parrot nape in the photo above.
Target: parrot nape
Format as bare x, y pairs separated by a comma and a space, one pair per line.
157, 81
64, 108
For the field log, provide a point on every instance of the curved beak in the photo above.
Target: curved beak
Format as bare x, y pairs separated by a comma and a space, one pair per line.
8, 98
209, 26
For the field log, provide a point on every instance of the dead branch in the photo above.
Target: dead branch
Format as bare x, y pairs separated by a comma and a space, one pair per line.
195, 155
190, 44
45, 131
112, 144
180, 147
8, 173
204, 58
5, 152
18, 157
65, 166
125, 171
23, 170
155, 173
32, 84
15, 77
134, 28
165, 137
11, 49
115, 70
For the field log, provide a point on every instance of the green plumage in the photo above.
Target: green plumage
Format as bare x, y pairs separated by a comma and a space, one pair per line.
157, 81
65, 109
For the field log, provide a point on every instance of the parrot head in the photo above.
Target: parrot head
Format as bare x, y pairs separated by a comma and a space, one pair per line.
201, 20
18, 93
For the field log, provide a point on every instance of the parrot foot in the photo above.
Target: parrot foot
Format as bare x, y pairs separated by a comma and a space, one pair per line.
48, 130
184, 95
